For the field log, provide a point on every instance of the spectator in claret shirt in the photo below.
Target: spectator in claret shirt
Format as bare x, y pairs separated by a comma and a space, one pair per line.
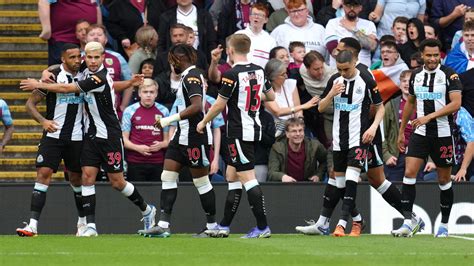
144, 143
59, 29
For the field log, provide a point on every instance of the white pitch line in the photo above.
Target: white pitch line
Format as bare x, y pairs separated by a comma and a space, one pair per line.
463, 237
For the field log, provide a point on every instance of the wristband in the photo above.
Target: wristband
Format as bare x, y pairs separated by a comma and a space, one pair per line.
170, 119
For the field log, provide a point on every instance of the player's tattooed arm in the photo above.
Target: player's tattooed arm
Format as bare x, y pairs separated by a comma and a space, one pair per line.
31, 107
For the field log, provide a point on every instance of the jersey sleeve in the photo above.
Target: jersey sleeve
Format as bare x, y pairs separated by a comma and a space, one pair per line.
193, 84
165, 113
5, 113
94, 83
228, 84
411, 83
127, 119
453, 81
374, 92
174, 110
267, 85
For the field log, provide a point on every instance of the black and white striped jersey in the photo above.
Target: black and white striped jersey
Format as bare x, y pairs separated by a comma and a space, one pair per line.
432, 89
241, 87
101, 120
192, 84
66, 109
351, 109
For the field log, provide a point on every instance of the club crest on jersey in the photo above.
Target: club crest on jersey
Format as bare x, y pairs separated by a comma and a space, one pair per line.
109, 61
96, 79
439, 80
157, 116
39, 159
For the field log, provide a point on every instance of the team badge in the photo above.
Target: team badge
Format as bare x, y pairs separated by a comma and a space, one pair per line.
39, 159
109, 61
157, 117
454, 77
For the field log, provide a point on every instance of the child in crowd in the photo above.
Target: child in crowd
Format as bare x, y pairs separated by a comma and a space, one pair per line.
146, 68
399, 29
191, 36
297, 52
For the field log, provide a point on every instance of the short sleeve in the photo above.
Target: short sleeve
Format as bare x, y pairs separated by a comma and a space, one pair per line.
94, 83
267, 85
228, 84
5, 113
381, 2
165, 112
374, 92
328, 87
453, 81
127, 118
411, 89
174, 110
193, 85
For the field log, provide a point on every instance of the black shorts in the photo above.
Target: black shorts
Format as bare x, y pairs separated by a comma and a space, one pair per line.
241, 154
193, 156
51, 151
440, 149
374, 156
354, 157
107, 153
144, 171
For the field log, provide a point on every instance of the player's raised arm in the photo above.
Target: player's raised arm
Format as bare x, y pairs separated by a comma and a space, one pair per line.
32, 84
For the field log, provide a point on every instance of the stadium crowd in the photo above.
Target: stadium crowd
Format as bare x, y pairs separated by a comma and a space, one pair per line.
301, 46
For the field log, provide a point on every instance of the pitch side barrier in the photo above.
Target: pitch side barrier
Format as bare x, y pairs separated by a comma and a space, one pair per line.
287, 205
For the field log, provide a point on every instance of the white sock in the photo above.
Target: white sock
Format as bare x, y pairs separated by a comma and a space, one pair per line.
443, 225
82, 220
163, 224
357, 218
342, 223
147, 210
211, 225
323, 221
33, 223
91, 225
407, 222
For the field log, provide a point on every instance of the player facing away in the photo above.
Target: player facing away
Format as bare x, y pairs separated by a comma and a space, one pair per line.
335, 189
241, 91
435, 93
102, 145
353, 92
62, 138
187, 146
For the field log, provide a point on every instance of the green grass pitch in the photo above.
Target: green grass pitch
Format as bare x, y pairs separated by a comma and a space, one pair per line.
278, 250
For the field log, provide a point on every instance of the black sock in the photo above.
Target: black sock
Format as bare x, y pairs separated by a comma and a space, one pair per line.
168, 197
231, 205
88, 205
208, 203
408, 198
137, 199
342, 193
330, 199
393, 197
38, 199
348, 202
78, 201
257, 204
446, 203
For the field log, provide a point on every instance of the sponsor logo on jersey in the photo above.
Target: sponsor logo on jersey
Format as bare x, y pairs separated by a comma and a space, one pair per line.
227, 81
193, 80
